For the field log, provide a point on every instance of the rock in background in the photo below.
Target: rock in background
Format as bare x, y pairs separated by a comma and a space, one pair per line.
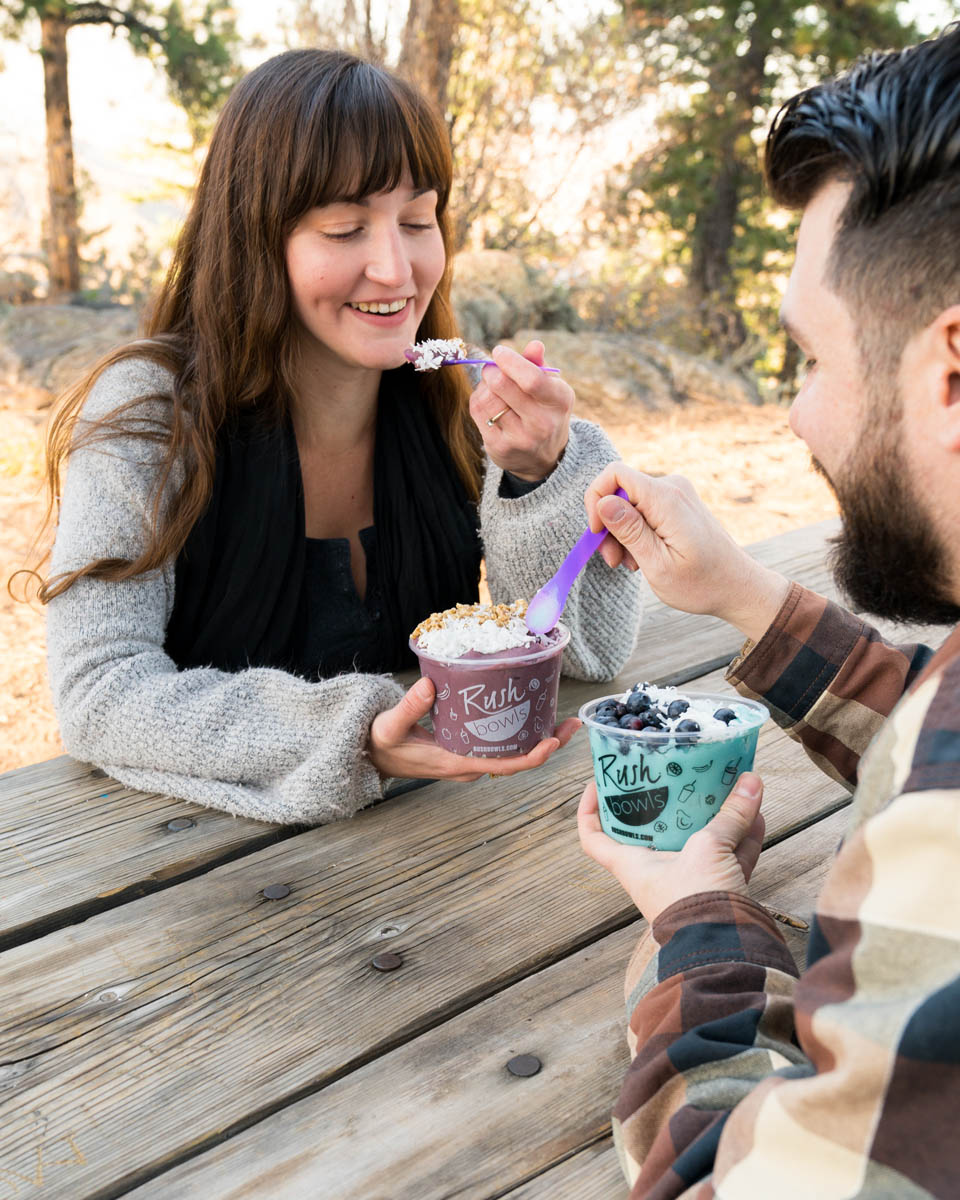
614, 373
495, 293
45, 347
497, 298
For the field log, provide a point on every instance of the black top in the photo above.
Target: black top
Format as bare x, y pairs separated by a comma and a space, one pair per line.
241, 597
343, 632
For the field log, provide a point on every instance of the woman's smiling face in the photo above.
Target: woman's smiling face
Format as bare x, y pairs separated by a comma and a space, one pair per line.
362, 275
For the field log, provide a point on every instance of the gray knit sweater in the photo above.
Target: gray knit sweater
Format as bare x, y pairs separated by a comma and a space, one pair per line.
261, 742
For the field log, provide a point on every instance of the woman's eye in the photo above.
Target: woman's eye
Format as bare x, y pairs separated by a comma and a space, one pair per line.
419, 224
341, 236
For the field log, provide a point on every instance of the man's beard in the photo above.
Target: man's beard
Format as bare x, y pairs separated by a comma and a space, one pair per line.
888, 557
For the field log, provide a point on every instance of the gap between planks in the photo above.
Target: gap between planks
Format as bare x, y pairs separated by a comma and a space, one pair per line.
566, 1013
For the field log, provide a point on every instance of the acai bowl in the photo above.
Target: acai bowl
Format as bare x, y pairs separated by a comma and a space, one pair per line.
665, 759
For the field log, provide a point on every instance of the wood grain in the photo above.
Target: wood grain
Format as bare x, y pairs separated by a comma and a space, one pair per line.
592, 1174
441, 1115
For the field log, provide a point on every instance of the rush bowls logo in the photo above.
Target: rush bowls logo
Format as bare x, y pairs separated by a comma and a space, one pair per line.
499, 726
637, 808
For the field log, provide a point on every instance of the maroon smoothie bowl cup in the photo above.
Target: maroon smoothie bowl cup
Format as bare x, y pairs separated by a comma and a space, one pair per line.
495, 705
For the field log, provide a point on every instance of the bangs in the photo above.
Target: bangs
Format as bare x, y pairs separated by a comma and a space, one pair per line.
362, 130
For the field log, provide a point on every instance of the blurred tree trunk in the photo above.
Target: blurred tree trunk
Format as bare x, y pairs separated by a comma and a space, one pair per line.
64, 232
714, 231
428, 42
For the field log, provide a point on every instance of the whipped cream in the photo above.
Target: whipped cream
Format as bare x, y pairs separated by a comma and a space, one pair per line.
432, 353
480, 628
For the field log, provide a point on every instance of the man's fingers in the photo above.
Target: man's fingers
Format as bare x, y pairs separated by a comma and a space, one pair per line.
593, 840
739, 812
614, 476
748, 852
626, 525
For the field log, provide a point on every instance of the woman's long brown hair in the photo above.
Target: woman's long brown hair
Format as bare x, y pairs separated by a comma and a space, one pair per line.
306, 128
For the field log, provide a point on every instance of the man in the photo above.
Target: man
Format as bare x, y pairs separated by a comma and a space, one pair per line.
750, 1079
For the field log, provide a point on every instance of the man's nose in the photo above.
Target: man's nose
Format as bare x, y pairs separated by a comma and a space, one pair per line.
389, 262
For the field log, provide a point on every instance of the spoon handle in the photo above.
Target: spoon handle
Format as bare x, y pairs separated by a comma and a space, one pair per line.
488, 362
545, 608
581, 554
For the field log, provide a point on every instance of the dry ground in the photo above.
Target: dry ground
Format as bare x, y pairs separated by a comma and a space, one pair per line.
744, 461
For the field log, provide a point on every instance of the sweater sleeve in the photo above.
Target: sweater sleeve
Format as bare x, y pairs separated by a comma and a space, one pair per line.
527, 537
258, 743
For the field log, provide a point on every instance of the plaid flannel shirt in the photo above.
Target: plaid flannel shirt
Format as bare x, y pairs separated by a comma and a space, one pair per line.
752, 1081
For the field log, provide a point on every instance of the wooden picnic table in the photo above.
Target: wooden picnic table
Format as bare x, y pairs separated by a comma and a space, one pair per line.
193, 1005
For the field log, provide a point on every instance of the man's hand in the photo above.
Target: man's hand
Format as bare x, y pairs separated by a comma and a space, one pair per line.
529, 437
685, 554
402, 749
718, 858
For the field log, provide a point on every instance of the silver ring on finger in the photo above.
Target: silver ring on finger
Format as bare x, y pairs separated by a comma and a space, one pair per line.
496, 417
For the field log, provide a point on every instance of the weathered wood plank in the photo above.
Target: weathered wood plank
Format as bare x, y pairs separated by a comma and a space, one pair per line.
74, 842
442, 1116
205, 1006
592, 1174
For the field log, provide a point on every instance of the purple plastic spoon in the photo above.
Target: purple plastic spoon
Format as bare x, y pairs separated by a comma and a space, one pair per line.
411, 355
545, 608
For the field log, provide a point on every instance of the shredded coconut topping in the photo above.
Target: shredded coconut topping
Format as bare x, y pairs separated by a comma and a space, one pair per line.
483, 628
433, 353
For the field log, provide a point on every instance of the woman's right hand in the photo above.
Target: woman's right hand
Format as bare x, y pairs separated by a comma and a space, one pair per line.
685, 554
400, 748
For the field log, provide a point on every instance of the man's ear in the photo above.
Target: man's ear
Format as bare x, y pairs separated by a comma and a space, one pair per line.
948, 345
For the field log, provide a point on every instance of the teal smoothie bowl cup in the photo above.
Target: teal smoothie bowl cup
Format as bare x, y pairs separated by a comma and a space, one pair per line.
656, 787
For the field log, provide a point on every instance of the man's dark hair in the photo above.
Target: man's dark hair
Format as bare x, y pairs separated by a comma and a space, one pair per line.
890, 126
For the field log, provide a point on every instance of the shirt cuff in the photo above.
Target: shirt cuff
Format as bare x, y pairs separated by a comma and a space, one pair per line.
718, 927
512, 486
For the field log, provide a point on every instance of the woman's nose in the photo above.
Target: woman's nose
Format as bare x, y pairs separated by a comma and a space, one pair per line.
389, 262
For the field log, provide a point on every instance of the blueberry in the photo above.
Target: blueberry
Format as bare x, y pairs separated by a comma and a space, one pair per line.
635, 723
625, 722
726, 715
676, 708
637, 702
651, 720
688, 727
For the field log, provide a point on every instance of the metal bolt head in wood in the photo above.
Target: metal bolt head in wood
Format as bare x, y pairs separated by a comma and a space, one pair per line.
524, 1065
276, 891
388, 961
179, 823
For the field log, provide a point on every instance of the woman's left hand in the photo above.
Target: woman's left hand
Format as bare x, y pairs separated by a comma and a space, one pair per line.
531, 433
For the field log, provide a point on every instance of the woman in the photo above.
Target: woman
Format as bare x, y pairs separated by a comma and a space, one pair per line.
262, 502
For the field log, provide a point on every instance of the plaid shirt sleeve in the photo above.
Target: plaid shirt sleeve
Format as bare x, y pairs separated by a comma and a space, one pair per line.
751, 1081
828, 678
